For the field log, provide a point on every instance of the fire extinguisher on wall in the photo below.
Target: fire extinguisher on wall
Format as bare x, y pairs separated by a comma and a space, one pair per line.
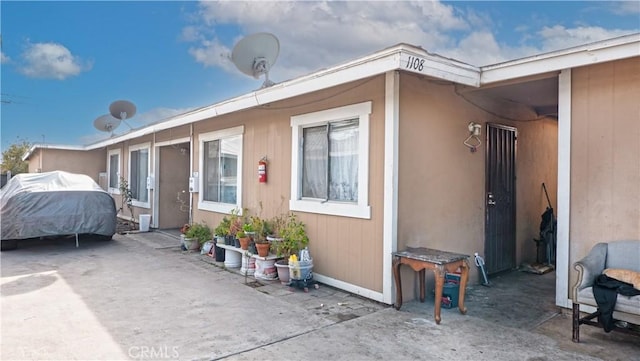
262, 170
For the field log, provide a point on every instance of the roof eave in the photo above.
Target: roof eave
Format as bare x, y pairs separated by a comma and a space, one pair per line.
390, 59
599, 52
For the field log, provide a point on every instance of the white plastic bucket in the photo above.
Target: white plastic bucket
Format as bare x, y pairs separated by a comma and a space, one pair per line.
144, 221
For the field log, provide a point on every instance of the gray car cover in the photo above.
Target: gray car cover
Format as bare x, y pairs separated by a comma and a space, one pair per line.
53, 204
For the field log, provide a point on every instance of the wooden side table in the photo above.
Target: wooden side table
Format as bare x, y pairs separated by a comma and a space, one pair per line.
421, 259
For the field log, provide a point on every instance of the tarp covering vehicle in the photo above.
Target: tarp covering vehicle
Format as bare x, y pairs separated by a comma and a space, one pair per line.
55, 204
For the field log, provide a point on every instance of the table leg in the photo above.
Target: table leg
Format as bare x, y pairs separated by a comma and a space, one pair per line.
396, 275
422, 286
439, 274
463, 285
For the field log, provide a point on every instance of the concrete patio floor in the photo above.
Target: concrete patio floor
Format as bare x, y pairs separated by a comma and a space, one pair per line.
140, 297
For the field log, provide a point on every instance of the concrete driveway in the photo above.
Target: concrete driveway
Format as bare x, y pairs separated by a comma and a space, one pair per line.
139, 297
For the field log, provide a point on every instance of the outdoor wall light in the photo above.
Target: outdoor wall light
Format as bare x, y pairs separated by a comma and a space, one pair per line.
473, 140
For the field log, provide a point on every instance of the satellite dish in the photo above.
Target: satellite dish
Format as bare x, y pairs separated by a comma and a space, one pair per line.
122, 109
255, 54
106, 123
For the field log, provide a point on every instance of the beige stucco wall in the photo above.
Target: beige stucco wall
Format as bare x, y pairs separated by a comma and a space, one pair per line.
347, 249
605, 156
90, 162
441, 184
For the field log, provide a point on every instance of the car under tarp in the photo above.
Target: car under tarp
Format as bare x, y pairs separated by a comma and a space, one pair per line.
55, 204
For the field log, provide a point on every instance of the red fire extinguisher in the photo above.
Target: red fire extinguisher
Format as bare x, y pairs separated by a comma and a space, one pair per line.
262, 170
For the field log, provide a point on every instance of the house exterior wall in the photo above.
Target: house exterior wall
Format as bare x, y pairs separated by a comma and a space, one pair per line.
347, 249
441, 184
124, 172
90, 162
537, 163
605, 156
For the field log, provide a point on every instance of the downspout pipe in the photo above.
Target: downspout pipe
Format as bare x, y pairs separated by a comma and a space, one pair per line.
191, 171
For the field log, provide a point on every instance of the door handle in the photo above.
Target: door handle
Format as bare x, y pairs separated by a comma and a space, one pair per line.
490, 200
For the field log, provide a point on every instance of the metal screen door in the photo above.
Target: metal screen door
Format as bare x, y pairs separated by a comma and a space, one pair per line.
500, 196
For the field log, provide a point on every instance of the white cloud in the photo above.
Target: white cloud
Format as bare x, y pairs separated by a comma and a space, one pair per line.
625, 7
559, 37
320, 34
316, 35
51, 60
4, 59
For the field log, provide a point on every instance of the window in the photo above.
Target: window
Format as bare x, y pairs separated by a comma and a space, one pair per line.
330, 161
221, 170
113, 171
138, 173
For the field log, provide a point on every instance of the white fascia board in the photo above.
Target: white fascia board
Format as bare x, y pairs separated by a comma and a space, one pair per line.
51, 146
361, 69
600, 52
439, 67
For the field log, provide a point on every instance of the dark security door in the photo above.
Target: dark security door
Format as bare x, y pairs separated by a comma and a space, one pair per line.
500, 197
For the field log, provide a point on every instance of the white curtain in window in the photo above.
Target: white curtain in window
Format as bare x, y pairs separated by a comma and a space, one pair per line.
343, 161
330, 163
314, 173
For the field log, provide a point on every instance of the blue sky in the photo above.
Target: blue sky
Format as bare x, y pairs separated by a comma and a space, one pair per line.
63, 63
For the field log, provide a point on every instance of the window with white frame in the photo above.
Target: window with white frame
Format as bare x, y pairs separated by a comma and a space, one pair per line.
221, 170
330, 161
113, 171
138, 173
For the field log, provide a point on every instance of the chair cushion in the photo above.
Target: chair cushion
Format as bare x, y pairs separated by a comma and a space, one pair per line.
624, 275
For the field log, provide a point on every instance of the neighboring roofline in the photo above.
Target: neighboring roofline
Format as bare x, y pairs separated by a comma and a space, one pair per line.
32, 149
395, 58
598, 52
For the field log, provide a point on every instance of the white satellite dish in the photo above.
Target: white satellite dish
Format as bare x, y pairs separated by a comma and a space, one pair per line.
106, 123
255, 54
122, 109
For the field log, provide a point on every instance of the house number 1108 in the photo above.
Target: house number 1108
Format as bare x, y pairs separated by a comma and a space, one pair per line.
415, 63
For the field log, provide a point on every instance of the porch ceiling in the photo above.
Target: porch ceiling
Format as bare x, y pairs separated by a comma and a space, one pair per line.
541, 95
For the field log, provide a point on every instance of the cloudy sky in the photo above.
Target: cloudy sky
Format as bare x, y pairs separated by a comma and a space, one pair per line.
63, 63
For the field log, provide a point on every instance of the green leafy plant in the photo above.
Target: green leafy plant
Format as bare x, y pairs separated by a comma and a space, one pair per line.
236, 220
199, 231
248, 227
294, 237
277, 224
223, 228
126, 197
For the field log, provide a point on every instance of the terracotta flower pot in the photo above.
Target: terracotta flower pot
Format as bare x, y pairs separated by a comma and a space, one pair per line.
244, 242
263, 249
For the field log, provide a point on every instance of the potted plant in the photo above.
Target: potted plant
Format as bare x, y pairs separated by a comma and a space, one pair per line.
294, 238
197, 234
221, 232
276, 225
235, 225
243, 239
